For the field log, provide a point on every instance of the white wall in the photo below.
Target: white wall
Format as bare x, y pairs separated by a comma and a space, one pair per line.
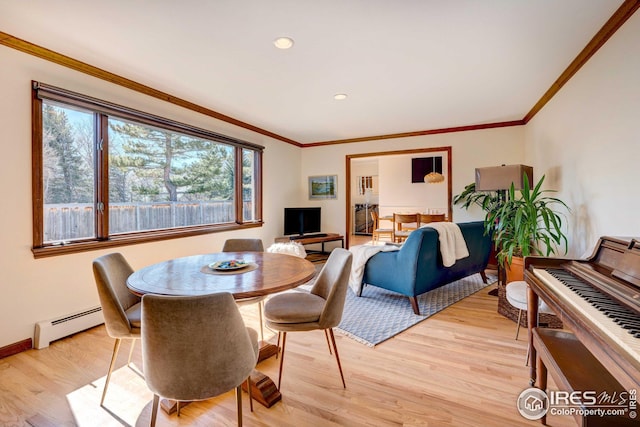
32, 290
489, 147
587, 141
399, 194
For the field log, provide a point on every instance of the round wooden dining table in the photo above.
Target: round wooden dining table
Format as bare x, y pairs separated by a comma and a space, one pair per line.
263, 274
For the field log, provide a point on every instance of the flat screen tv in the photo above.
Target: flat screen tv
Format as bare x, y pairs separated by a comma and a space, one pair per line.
301, 221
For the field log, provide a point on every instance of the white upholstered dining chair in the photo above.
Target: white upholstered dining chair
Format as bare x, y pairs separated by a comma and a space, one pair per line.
196, 348
248, 245
243, 245
120, 308
320, 308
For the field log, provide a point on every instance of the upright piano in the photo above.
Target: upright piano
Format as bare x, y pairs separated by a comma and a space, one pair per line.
598, 300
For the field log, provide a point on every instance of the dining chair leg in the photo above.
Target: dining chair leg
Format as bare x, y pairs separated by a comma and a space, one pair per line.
114, 356
178, 408
154, 409
249, 393
326, 335
335, 350
239, 404
133, 345
278, 346
260, 307
284, 340
518, 324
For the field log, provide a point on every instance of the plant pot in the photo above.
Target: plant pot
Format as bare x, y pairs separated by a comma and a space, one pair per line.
515, 270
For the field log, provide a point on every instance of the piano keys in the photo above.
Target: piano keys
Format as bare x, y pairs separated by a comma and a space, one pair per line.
607, 320
598, 300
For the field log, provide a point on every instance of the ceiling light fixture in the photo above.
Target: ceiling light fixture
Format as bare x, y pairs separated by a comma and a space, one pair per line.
433, 177
283, 42
340, 96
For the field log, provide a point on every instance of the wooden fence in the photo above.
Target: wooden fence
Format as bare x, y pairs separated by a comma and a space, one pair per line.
77, 221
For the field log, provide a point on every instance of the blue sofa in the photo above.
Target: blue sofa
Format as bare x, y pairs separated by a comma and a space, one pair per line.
417, 267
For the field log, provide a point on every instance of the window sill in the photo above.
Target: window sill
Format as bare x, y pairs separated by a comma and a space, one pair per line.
133, 239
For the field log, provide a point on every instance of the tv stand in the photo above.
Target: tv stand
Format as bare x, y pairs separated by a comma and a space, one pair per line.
309, 239
308, 236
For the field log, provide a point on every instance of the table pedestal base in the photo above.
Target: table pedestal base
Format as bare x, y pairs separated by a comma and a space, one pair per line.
267, 350
170, 406
263, 389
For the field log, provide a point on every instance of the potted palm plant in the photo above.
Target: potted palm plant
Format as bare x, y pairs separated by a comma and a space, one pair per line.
527, 222
488, 201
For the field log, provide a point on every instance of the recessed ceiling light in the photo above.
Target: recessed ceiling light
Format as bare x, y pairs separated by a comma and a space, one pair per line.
283, 42
340, 96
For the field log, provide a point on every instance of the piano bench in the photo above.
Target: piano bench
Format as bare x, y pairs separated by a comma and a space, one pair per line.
574, 368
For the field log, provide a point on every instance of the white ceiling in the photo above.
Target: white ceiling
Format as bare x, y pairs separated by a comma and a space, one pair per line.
407, 65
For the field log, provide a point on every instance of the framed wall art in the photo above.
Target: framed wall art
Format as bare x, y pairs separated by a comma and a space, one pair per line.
323, 187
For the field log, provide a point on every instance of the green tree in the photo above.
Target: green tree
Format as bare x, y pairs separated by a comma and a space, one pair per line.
247, 175
67, 176
145, 160
150, 152
212, 175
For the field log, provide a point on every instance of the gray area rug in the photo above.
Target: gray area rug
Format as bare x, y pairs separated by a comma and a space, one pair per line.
379, 314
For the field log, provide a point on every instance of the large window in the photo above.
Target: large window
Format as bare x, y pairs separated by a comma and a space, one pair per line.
107, 175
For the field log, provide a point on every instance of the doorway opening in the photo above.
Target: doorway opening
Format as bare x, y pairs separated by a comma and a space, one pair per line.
382, 181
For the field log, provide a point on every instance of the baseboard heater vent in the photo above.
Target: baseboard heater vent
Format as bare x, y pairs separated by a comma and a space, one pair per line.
54, 329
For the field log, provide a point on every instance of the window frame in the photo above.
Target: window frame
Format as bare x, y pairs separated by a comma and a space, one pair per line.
102, 110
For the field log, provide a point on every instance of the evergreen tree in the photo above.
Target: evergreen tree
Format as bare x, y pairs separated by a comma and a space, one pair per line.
67, 177
247, 175
145, 160
211, 177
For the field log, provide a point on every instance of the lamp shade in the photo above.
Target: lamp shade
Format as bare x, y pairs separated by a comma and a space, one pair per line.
501, 177
433, 178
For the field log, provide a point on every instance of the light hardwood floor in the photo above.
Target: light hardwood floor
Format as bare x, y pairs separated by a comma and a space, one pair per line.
461, 367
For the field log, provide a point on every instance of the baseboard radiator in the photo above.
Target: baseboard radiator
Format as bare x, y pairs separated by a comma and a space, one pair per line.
54, 329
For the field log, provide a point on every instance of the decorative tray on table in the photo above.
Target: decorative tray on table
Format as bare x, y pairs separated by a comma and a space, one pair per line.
231, 264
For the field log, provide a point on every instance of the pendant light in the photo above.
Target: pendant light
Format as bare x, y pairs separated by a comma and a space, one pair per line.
433, 177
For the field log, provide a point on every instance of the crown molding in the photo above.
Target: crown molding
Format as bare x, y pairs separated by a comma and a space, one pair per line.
419, 133
68, 62
620, 16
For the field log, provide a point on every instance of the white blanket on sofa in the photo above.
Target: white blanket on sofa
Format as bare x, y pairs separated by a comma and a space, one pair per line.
452, 244
361, 254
